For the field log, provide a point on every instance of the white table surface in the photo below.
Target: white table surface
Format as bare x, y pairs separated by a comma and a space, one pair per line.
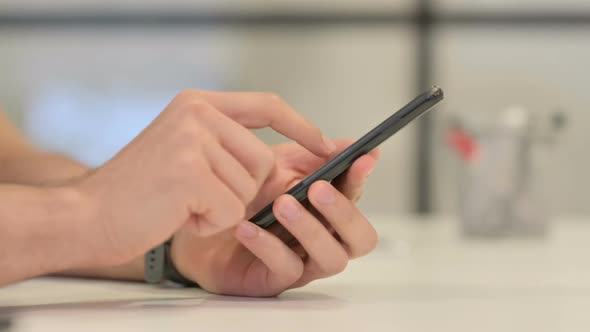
423, 277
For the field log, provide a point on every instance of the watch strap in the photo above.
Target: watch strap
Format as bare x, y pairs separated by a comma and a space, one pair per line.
154, 262
170, 271
159, 267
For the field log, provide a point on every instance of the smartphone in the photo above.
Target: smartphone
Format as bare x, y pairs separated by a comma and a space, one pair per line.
340, 163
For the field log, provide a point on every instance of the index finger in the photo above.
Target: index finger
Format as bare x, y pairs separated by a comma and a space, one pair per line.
258, 110
305, 162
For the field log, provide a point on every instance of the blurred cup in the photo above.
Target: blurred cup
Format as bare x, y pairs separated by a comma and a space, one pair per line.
497, 192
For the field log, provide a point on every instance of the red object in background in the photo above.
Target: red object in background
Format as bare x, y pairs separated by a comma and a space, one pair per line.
463, 144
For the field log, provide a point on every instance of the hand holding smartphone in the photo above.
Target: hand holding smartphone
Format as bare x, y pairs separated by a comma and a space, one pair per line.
340, 163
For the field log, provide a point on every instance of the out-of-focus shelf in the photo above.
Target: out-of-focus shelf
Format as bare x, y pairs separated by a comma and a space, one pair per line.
511, 7
90, 7
291, 17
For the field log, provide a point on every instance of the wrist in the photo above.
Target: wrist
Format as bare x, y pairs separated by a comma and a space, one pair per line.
132, 271
73, 213
48, 234
186, 258
160, 266
178, 256
100, 248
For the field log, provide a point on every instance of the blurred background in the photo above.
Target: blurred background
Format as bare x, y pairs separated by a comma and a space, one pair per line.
84, 77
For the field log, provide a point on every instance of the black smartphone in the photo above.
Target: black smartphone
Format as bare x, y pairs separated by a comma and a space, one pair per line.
364, 145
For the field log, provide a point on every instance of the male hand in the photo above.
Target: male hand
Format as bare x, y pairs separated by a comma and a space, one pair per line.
195, 165
250, 261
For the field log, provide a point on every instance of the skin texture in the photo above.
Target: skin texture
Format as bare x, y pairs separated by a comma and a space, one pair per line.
196, 173
193, 166
305, 246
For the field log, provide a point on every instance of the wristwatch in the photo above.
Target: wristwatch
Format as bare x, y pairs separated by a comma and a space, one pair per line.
158, 267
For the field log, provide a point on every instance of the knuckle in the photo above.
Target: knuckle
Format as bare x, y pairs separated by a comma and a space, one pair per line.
181, 111
188, 94
274, 102
186, 132
198, 109
187, 146
187, 160
272, 97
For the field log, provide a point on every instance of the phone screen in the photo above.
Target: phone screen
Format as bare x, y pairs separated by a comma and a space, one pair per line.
340, 163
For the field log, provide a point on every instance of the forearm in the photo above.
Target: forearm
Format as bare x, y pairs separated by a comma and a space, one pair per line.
43, 230
132, 271
24, 252
50, 169
37, 168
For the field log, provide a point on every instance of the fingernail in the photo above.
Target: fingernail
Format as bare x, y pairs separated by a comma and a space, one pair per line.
289, 209
331, 146
326, 195
247, 230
